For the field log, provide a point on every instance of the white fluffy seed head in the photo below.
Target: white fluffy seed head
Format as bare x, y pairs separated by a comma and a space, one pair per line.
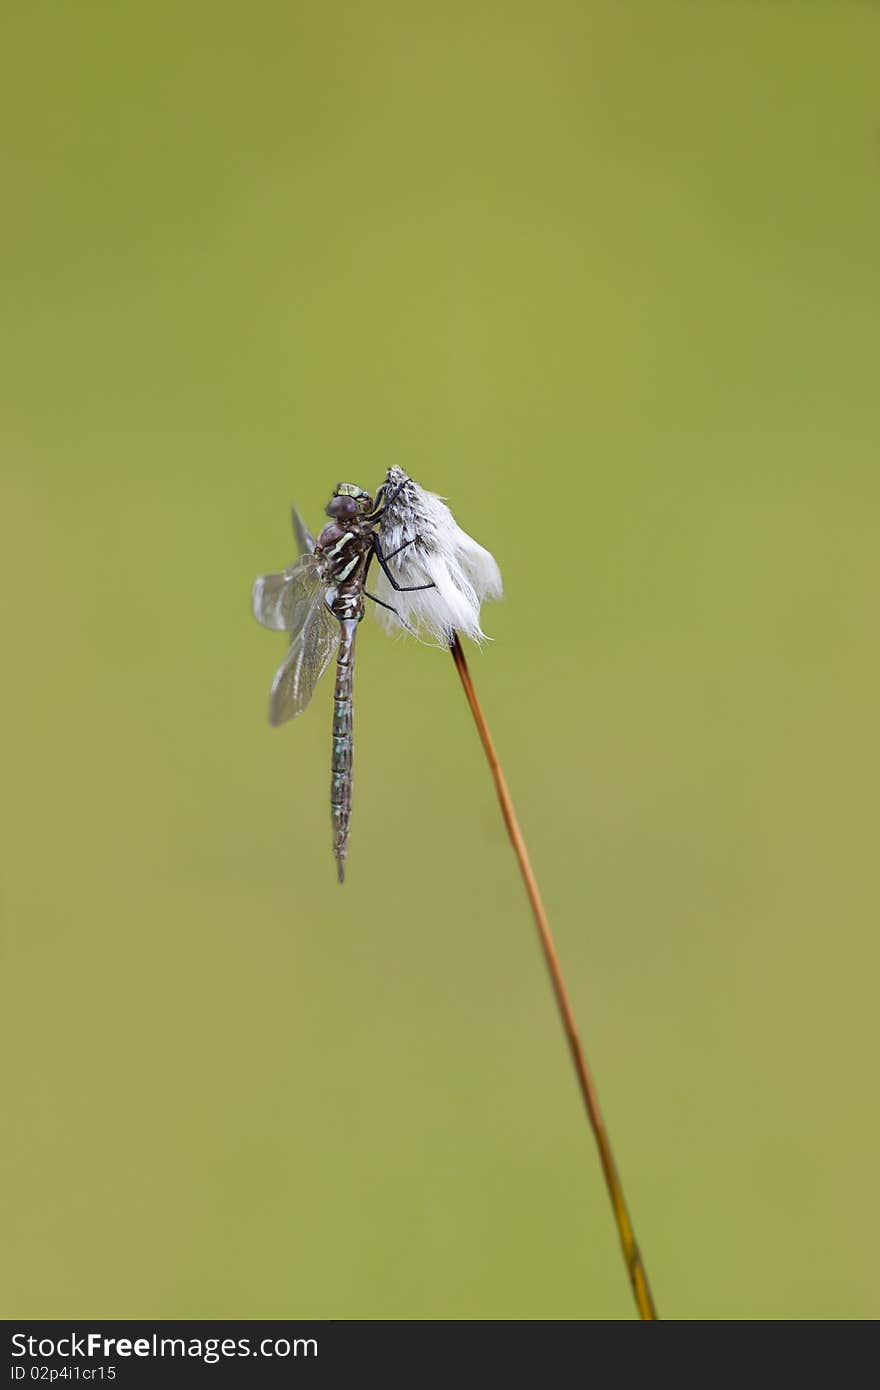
436, 552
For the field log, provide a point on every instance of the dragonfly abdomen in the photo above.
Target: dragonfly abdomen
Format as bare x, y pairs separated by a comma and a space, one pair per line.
343, 745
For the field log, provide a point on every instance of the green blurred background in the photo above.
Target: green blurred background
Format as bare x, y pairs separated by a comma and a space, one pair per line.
606, 275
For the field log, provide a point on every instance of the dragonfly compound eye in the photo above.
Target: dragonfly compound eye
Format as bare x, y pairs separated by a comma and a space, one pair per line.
345, 508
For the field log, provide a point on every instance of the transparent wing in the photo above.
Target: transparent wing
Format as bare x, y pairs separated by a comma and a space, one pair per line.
283, 601
305, 541
311, 651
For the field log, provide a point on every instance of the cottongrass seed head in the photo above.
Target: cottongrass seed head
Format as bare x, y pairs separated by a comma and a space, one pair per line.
436, 552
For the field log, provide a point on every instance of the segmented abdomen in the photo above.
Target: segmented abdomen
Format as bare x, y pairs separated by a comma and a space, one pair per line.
343, 745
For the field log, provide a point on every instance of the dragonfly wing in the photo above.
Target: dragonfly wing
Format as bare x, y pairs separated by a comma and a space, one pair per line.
282, 601
304, 539
311, 650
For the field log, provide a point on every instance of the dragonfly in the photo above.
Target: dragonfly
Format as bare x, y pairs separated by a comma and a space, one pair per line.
319, 601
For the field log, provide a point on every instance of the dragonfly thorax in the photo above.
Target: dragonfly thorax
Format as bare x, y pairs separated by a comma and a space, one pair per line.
342, 552
332, 533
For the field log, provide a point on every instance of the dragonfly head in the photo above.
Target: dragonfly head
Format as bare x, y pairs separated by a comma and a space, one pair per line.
349, 501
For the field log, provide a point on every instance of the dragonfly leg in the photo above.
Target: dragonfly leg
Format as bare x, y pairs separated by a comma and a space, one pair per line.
383, 501
383, 604
383, 564
391, 553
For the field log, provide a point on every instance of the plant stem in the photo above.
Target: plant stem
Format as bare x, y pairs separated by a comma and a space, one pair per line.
636, 1269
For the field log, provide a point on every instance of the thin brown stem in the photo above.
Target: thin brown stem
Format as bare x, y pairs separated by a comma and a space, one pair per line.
635, 1267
